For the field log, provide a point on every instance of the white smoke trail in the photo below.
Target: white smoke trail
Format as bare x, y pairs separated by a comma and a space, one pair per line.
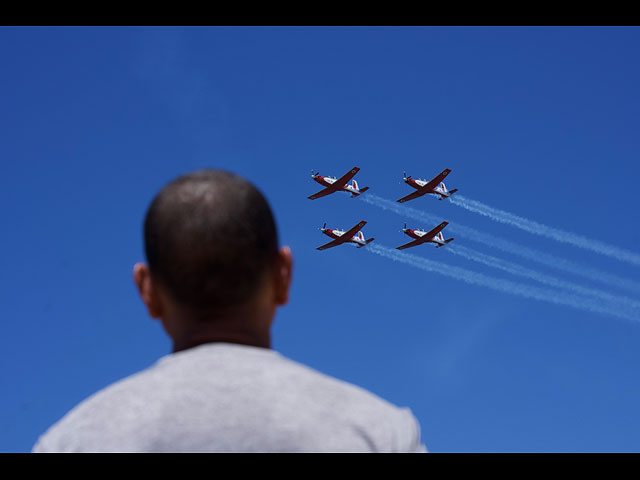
505, 286
521, 271
546, 231
505, 245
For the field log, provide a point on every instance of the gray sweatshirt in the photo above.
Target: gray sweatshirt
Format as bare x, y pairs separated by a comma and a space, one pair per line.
223, 397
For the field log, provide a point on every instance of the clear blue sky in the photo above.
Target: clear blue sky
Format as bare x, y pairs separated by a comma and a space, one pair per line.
539, 122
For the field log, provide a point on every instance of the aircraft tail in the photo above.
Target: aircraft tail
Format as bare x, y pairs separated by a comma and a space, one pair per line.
445, 242
362, 190
367, 242
448, 194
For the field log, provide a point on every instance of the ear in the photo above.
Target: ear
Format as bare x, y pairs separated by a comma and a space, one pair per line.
283, 272
148, 291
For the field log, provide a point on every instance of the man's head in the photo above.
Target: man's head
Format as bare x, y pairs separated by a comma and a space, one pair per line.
212, 250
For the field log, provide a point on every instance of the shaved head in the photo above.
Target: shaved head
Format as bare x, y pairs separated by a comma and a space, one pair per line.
210, 238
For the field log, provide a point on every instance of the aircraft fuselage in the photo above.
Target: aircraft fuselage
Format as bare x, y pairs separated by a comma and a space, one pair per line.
334, 233
417, 184
418, 234
328, 181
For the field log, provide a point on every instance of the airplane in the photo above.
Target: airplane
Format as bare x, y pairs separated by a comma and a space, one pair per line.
335, 185
423, 187
433, 236
352, 235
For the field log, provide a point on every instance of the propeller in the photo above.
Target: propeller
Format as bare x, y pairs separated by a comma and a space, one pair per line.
314, 175
405, 227
324, 226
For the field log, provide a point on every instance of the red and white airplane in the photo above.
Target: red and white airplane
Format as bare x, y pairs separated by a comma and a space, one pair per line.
353, 235
423, 187
340, 184
433, 236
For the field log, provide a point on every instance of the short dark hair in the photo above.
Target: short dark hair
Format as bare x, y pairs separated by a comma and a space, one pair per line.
209, 238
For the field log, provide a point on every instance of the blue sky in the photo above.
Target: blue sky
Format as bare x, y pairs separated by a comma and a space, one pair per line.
538, 122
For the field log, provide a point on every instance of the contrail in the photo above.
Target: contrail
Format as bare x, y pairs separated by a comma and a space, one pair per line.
546, 231
519, 270
505, 245
506, 286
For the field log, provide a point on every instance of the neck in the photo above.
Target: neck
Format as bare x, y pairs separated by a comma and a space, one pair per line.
241, 338
244, 326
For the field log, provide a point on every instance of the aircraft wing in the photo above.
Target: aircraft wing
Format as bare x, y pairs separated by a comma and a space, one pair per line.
332, 243
327, 191
427, 187
337, 185
414, 243
345, 237
411, 196
353, 230
433, 232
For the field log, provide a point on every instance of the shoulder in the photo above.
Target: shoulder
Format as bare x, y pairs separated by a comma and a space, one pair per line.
103, 414
386, 426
